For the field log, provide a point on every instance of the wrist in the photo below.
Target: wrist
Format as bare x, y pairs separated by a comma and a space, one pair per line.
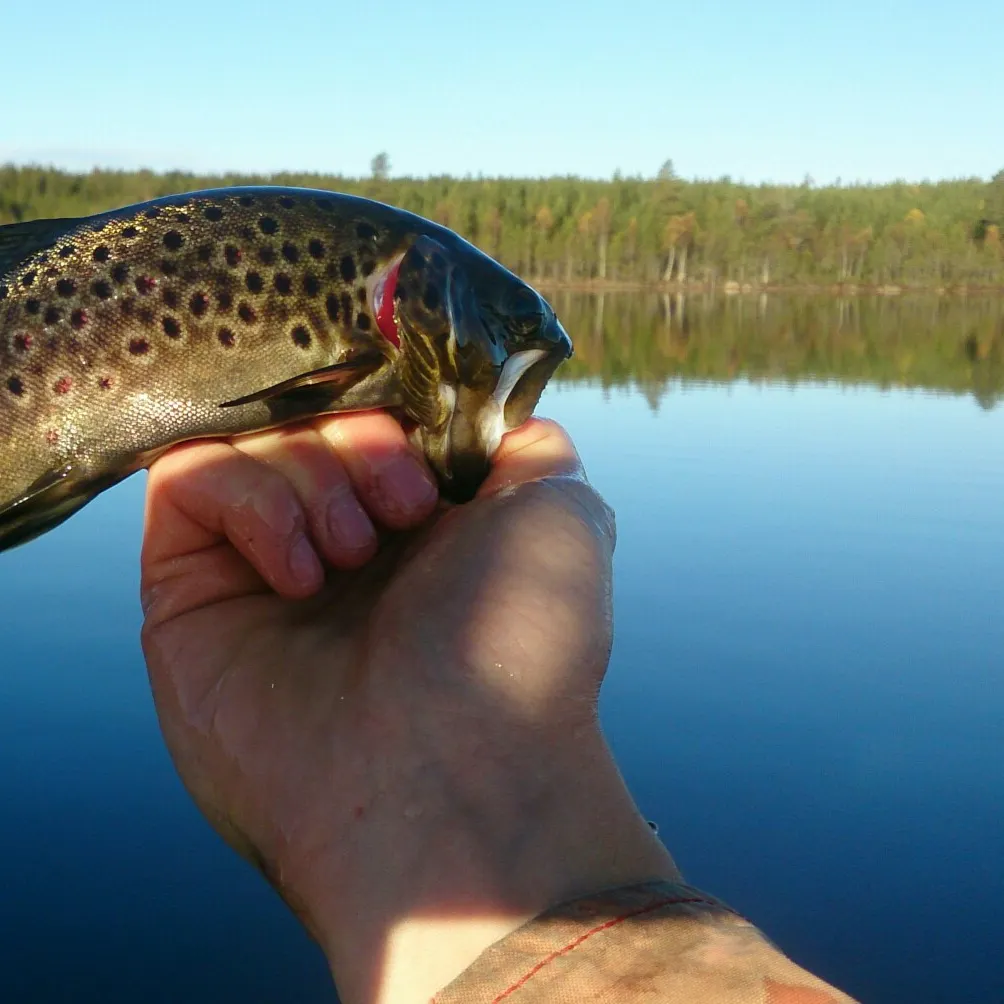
454, 857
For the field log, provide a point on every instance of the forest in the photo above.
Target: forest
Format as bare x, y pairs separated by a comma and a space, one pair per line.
633, 232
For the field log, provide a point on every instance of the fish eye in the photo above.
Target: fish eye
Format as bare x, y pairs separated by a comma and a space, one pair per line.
524, 313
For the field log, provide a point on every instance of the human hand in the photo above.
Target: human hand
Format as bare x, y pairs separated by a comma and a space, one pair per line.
408, 745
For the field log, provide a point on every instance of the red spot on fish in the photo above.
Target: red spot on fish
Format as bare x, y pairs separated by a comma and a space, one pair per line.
78, 319
384, 303
22, 342
52, 437
62, 385
145, 284
105, 383
139, 346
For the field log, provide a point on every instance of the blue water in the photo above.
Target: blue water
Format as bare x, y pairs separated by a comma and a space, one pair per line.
805, 693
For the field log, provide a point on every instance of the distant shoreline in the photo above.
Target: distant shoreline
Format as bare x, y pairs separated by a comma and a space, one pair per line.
733, 288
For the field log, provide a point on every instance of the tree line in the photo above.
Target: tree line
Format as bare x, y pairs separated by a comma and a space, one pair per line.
716, 234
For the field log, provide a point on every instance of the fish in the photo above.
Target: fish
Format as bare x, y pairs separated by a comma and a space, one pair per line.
226, 311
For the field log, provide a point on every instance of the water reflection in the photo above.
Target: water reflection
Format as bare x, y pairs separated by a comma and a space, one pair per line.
804, 692
947, 344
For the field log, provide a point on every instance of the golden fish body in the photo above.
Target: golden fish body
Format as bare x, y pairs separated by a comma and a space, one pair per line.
228, 311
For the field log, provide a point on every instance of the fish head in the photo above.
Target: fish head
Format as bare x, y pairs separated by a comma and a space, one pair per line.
477, 348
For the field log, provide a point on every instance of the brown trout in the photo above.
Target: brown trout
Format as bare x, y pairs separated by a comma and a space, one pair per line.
233, 310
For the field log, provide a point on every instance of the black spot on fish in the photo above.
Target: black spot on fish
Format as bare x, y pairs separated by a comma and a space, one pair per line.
367, 266
311, 284
198, 304
246, 200
254, 282
361, 294
331, 306
145, 284
27, 279
33, 306
66, 287
79, 319
15, 385
232, 255
316, 249
363, 322
170, 298
101, 289
101, 253
120, 273
347, 267
168, 267
248, 234
213, 213
286, 202
247, 313
173, 240
129, 233
301, 337
226, 338
139, 346
127, 306
347, 308
366, 231
291, 253
283, 284
66, 250
152, 213
267, 225
171, 327
4, 292
205, 252
430, 297
224, 301
266, 255
52, 315
145, 316
22, 341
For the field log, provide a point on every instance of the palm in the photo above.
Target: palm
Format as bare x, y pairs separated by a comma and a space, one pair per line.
280, 710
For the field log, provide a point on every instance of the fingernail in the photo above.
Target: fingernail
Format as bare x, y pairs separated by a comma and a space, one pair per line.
303, 562
348, 524
407, 486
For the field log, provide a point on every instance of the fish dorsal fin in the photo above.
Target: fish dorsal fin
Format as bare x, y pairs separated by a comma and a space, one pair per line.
21, 240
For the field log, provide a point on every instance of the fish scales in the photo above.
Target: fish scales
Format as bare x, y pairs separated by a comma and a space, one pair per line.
195, 301
233, 310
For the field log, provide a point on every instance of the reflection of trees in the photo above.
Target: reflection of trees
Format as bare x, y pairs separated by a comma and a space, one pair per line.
648, 340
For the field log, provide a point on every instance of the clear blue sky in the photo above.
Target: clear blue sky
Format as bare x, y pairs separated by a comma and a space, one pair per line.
767, 91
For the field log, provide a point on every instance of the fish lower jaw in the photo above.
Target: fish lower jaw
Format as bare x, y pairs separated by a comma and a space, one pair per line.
493, 423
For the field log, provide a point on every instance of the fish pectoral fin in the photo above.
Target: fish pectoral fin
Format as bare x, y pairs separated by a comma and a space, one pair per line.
19, 240
47, 502
320, 390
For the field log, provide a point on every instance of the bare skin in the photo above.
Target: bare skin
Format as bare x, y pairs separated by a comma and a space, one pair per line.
401, 733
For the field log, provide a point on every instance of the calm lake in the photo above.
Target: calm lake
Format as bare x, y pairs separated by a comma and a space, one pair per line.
806, 688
